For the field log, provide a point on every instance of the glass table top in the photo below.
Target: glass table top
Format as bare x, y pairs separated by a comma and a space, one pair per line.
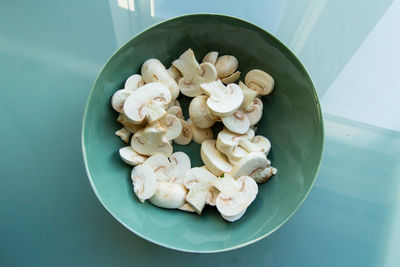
50, 54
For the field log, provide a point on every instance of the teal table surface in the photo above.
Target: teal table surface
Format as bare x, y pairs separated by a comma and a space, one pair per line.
50, 54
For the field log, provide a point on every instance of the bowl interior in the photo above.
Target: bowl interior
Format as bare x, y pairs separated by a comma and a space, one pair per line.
291, 120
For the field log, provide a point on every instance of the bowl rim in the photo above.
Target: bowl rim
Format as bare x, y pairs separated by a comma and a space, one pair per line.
320, 115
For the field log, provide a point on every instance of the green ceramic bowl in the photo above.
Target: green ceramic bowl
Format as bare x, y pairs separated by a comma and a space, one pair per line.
292, 121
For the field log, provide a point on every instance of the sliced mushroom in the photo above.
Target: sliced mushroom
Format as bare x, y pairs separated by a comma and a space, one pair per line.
235, 196
226, 65
173, 126
180, 165
231, 78
234, 218
124, 134
260, 81
146, 103
177, 111
169, 195
174, 73
151, 140
228, 141
199, 182
236, 155
223, 100
264, 175
211, 57
186, 207
154, 71
160, 165
129, 156
249, 95
186, 134
254, 111
237, 122
133, 82
118, 99
214, 160
131, 127
200, 114
263, 143
199, 135
193, 73
144, 182
251, 165
212, 197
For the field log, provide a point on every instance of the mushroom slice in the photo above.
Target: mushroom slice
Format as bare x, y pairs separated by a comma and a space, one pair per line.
173, 126
249, 95
212, 197
186, 207
235, 196
236, 155
223, 100
254, 111
147, 103
133, 82
174, 73
199, 183
228, 141
169, 195
231, 78
124, 134
251, 165
177, 111
133, 128
118, 99
234, 218
211, 57
264, 175
193, 73
144, 182
259, 81
186, 134
237, 122
199, 135
129, 156
263, 143
160, 165
154, 71
151, 140
180, 165
174, 103
226, 65
214, 160
200, 114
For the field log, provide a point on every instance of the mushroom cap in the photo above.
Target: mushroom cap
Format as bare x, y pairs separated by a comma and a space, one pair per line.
160, 165
179, 166
173, 126
133, 82
236, 195
254, 111
234, 218
151, 141
129, 156
250, 165
231, 78
144, 182
211, 57
154, 71
199, 135
146, 103
199, 113
226, 65
186, 134
263, 143
177, 111
237, 122
118, 99
260, 81
223, 100
169, 195
198, 175
214, 160
131, 127
174, 73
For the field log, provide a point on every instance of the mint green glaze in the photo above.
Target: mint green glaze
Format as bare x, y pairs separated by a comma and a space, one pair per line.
292, 121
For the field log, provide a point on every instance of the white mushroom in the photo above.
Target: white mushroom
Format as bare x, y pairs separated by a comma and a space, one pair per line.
263, 143
144, 182
173, 126
264, 175
214, 160
199, 135
251, 165
146, 103
260, 81
133, 82
199, 182
160, 165
231, 78
223, 100
129, 156
154, 71
211, 57
173, 103
228, 141
254, 111
237, 122
124, 134
186, 134
200, 114
193, 73
236, 155
151, 140
234, 218
186, 207
212, 197
131, 127
235, 196
118, 99
169, 195
226, 65
177, 111
174, 73
249, 95
179, 166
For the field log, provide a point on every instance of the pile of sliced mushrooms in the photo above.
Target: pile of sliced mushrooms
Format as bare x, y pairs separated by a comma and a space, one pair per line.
152, 119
